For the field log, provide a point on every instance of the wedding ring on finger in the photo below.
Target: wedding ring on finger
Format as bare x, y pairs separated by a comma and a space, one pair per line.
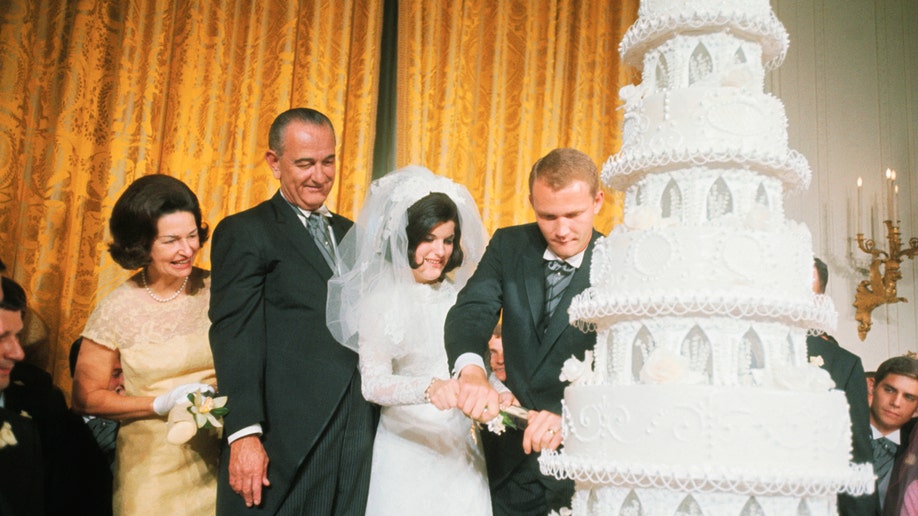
485, 411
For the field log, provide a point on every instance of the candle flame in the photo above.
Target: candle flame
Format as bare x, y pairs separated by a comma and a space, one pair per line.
860, 182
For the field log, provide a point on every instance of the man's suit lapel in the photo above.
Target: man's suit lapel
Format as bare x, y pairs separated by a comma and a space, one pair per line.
296, 233
534, 278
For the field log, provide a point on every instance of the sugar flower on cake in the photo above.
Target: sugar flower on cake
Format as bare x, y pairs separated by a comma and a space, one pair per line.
664, 366
758, 218
202, 410
632, 93
805, 378
7, 437
578, 372
738, 77
640, 218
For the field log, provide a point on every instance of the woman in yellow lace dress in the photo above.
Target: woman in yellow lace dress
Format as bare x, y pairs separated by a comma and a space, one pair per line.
156, 322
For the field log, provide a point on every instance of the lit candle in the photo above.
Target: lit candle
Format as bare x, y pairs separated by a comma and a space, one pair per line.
860, 183
895, 199
895, 193
889, 194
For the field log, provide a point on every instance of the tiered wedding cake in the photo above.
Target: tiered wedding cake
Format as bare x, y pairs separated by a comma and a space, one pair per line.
698, 398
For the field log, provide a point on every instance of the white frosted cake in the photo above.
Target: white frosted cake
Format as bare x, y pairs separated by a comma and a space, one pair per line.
698, 398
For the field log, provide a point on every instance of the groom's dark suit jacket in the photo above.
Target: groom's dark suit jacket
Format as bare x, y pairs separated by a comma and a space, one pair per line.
511, 278
274, 356
847, 372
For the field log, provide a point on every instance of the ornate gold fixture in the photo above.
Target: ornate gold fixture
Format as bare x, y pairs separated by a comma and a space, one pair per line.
880, 288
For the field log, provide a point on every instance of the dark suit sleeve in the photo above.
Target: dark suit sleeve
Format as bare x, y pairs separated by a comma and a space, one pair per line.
471, 320
850, 377
856, 392
237, 332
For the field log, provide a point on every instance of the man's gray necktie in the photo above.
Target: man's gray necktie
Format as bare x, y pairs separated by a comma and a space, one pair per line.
558, 276
317, 228
105, 431
884, 454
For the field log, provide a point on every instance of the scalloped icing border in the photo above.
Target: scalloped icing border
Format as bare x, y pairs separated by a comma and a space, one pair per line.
857, 480
646, 32
626, 168
593, 309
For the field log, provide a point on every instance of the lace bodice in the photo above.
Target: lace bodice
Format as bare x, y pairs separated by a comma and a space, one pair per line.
162, 345
401, 341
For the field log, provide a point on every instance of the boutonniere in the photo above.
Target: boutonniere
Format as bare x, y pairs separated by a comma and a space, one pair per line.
7, 437
202, 410
817, 361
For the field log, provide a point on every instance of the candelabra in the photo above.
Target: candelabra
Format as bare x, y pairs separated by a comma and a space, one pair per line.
880, 288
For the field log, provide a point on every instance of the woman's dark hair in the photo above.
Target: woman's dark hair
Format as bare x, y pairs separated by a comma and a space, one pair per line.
429, 211
14, 296
137, 212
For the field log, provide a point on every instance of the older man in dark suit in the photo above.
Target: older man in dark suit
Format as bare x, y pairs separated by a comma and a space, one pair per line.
529, 273
294, 392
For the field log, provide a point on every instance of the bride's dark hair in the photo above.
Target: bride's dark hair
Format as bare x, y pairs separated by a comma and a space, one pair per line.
425, 214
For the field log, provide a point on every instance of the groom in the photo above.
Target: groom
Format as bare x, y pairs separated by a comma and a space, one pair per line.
529, 273
299, 432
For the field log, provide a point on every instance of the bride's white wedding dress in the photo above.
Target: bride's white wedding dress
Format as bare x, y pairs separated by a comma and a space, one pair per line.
425, 461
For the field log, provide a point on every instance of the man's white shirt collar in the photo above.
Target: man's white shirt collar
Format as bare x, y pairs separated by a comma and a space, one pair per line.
893, 436
573, 261
305, 214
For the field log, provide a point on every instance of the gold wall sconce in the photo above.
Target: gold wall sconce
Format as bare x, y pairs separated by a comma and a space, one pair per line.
880, 288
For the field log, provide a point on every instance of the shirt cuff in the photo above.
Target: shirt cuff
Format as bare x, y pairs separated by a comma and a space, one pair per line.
497, 384
243, 432
466, 359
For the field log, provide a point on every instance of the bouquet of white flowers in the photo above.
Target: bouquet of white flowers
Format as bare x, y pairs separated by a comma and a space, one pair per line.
202, 410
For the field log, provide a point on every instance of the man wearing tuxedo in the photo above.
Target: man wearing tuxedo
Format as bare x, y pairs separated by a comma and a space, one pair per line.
528, 274
299, 433
21, 469
48, 463
895, 399
847, 372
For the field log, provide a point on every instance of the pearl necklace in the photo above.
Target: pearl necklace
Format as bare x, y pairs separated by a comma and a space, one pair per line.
143, 278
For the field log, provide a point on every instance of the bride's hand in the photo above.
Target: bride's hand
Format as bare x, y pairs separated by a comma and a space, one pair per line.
443, 394
506, 399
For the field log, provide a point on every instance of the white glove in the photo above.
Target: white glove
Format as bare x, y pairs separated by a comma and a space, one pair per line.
164, 402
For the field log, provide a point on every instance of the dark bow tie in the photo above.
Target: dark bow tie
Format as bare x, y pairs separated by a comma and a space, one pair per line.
560, 266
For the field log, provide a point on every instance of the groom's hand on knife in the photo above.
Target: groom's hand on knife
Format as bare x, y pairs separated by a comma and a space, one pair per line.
543, 432
477, 399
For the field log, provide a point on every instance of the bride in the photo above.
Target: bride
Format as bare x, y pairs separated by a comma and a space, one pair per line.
416, 242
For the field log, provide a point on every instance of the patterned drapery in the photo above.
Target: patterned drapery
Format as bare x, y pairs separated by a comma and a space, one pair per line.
487, 88
95, 93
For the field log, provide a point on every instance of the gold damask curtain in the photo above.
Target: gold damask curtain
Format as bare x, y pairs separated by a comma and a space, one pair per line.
487, 88
94, 94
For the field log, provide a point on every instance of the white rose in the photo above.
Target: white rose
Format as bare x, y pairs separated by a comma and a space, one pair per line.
758, 218
574, 370
664, 366
631, 93
640, 218
7, 438
807, 378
